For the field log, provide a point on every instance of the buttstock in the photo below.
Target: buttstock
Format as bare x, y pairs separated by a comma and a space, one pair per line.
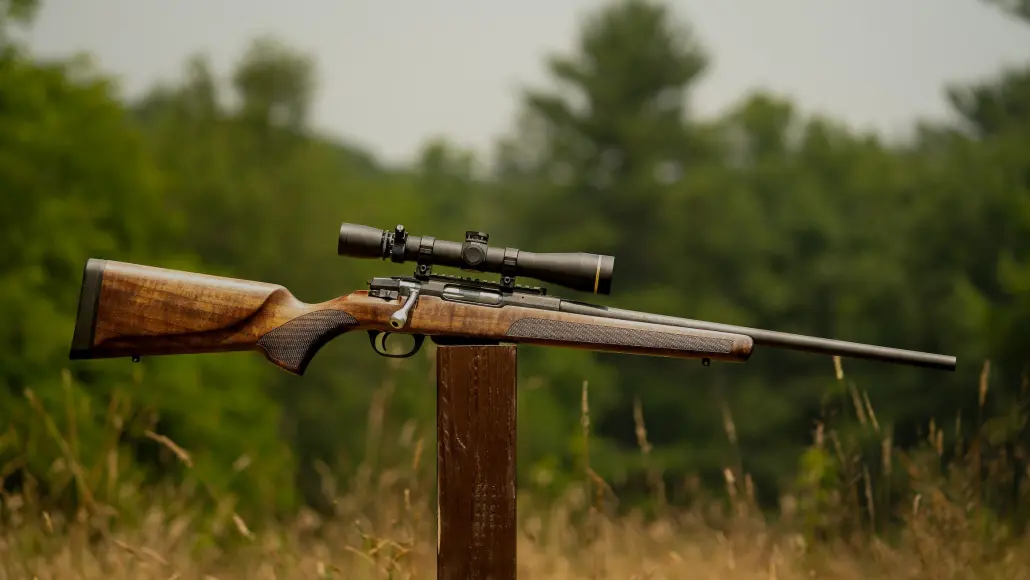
129, 310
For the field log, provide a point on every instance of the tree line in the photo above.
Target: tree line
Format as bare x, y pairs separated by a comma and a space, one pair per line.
765, 216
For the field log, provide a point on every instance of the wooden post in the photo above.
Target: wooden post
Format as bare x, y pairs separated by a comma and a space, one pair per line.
475, 454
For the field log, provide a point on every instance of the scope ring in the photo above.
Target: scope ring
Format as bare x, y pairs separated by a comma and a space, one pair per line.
400, 240
373, 334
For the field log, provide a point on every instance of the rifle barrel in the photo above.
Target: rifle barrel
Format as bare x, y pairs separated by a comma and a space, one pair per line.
778, 339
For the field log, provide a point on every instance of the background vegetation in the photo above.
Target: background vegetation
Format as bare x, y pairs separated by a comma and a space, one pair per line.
766, 217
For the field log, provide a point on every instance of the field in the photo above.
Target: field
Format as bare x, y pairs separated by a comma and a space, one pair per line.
400, 544
166, 548
766, 209
383, 527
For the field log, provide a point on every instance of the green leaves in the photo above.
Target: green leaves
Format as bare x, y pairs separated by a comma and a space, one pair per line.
1018, 8
16, 11
771, 217
766, 216
77, 180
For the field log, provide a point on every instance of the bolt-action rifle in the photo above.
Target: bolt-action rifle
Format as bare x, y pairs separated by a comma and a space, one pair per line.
129, 310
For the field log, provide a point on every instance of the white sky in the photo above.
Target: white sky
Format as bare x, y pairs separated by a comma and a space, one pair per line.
395, 73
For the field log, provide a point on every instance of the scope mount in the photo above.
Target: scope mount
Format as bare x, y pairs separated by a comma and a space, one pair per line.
389, 288
473, 254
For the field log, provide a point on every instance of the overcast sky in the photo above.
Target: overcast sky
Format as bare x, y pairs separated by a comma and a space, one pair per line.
395, 73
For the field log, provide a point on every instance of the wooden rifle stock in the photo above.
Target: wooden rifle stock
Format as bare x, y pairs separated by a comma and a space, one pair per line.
129, 310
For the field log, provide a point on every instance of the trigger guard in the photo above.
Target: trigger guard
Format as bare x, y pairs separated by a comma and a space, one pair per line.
373, 334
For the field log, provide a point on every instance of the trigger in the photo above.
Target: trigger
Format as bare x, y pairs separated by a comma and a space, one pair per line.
372, 335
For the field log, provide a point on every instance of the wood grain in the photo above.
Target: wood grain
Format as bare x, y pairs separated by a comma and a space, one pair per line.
475, 423
434, 316
144, 310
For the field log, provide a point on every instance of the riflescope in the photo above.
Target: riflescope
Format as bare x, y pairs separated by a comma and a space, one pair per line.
578, 271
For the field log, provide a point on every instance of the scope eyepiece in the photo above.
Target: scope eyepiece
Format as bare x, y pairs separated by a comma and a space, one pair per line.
578, 271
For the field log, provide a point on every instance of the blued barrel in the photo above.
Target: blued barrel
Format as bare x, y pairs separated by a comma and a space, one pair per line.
777, 339
578, 271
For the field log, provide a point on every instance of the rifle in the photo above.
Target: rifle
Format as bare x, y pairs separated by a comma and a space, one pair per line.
130, 310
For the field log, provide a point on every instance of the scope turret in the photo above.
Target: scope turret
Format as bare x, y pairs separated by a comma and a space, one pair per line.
578, 271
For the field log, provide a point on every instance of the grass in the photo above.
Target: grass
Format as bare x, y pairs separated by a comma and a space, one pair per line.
550, 546
845, 519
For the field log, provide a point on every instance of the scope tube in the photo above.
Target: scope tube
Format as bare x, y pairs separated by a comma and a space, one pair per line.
578, 271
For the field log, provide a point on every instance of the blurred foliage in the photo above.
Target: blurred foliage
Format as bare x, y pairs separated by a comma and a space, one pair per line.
78, 181
1019, 8
765, 216
17, 11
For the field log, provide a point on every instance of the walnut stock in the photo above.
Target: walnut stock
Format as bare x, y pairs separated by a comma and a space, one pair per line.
129, 310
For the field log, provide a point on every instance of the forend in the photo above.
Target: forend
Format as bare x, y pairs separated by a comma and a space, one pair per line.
577, 271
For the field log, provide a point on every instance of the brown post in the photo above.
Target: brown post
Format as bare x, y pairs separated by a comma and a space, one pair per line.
475, 454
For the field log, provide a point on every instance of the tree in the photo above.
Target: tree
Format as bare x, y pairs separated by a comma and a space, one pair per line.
17, 12
264, 194
614, 133
77, 181
1018, 8
593, 167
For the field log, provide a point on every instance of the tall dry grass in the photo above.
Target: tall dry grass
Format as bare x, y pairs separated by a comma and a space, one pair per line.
843, 520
